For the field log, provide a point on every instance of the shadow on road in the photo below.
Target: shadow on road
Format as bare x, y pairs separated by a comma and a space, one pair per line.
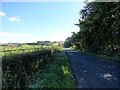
93, 72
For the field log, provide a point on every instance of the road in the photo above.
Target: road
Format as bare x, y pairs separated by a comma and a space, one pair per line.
92, 71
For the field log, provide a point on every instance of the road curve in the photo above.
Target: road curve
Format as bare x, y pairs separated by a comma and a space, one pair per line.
93, 72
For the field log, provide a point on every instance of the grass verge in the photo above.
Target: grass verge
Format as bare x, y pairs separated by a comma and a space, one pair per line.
112, 58
56, 75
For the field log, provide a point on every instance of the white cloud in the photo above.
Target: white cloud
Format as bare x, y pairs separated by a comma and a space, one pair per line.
14, 19
6, 37
6, 34
2, 13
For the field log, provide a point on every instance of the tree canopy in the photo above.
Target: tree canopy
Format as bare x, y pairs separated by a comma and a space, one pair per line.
99, 28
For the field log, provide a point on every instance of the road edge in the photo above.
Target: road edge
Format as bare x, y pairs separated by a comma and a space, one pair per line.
76, 82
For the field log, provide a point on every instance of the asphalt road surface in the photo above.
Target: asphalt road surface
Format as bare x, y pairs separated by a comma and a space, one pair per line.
93, 72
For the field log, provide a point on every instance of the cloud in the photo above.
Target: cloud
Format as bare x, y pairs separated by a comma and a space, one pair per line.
14, 19
6, 34
6, 37
2, 13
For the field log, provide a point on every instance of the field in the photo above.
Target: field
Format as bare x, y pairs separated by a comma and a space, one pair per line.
20, 66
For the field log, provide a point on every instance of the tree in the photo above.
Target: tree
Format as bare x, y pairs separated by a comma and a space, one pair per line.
99, 28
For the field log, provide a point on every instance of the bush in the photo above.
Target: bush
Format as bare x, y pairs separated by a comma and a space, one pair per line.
18, 68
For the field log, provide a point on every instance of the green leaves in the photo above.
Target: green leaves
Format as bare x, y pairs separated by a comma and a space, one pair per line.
19, 67
99, 28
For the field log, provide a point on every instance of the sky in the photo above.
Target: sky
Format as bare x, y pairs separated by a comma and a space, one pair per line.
22, 22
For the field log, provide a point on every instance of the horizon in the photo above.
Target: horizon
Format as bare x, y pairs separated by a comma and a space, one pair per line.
29, 42
24, 22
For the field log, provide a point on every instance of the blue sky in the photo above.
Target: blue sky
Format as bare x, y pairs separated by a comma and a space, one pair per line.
38, 21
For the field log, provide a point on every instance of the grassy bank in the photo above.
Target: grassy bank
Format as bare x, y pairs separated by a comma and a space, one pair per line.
112, 58
56, 75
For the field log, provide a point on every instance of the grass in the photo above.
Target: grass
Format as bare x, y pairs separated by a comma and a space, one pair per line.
115, 58
56, 75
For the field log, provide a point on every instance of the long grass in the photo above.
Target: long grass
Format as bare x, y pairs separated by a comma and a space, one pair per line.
56, 75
